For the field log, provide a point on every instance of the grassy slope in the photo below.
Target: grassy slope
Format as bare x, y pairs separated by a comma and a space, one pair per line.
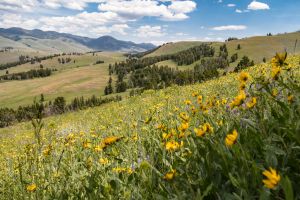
53, 46
112, 115
74, 79
256, 48
171, 48
36, 47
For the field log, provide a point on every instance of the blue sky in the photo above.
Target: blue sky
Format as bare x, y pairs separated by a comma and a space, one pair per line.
155, 21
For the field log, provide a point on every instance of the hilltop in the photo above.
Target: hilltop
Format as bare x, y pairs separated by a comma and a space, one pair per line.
256, 48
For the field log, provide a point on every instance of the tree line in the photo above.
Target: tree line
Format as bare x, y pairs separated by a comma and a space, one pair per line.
144, 73
23, 59
157, 77
10, 116
26, 59
34, 73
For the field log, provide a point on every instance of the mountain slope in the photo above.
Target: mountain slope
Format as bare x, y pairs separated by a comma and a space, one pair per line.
104, 43
256, 48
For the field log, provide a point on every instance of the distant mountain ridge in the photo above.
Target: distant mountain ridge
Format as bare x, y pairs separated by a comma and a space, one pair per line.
104, 43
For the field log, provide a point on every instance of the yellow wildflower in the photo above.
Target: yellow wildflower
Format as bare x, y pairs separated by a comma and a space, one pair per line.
89, 163
183, 127
199, 132
290, 98
166, 136
242, 86
199, 99
274, 92
244, 77
275, 72
194, 110
31, 188
208, 128
231, 138
184, 116
122, 169
220, 123
47, 150
194, 94
110, 140
272, 178
161, 127
188, 102
239, 100
176, 109
173, 145
148, 120
170, 175
224, 101
279, 60
99, 147
103, 161
252, 103
135, 137
86, 144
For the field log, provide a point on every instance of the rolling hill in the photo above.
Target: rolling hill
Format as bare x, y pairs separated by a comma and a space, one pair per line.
51, 41
256, 48
82, 73
80, 78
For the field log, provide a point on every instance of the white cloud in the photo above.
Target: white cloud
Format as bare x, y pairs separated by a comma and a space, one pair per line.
14, 20
238, 11
14, 5
231, 5
70, 4
181, 34
117, 28
210, 39
135, 9
255, 5
30, 5
182, 6
230, 28
149, 31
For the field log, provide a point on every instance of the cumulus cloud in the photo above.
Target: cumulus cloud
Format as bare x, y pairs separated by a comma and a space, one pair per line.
230, 28
30, 5
255, 5
149, 31
14, 5
135, 9
15, 20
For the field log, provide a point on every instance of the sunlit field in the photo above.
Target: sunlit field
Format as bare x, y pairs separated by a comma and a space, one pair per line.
80, 78
233, 137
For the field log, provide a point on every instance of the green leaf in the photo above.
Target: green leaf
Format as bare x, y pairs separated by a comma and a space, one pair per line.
264, 194
207, 190
288, 189
234, 181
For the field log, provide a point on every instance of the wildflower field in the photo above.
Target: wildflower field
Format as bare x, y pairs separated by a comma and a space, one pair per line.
234, 137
